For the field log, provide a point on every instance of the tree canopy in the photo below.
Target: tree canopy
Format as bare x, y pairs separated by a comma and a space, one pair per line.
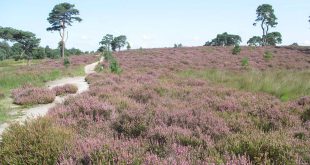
61, 16
27, 41
255, 41
106, 42
224, 39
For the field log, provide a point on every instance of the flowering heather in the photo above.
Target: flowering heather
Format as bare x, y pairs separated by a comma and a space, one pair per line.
65, 89
149, 114
29, 95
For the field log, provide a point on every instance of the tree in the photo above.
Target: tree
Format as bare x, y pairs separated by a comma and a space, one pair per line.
27, 41
118, 42
255, 41
107, 41
225, 39
267, 19
128, 46
61, 16
273, 38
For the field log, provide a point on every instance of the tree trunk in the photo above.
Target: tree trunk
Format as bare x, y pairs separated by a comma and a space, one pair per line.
63, 41
263, 38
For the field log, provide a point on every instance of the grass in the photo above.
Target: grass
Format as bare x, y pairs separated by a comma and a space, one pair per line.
14, 74
284, 84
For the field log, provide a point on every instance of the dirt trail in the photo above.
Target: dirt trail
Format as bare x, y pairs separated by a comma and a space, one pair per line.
42, 110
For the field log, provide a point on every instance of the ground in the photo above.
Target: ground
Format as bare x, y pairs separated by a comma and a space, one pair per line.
193, 105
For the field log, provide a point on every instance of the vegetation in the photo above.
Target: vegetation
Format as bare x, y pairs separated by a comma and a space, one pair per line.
224, 39
109, 42
255, 41
37, 141
65, 89
268, 55
236, 50
267, 20
25, 41
62, 16
286, 85
14, 74
29, 95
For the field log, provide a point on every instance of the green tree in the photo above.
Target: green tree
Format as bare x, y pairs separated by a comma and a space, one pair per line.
273, 38
5, 50
62, 16
225, 39
107, 41
267, 19
128, 46
119, 42
255, 41
27, 40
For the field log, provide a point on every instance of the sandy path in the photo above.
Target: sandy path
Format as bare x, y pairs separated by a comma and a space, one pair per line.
42, 110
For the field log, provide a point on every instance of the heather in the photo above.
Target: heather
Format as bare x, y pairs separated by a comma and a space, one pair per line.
165, 109
29, 95
15, 74
65, 89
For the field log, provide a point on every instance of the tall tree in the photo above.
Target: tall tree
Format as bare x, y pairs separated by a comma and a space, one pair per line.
107, 41
62, 16
267, 19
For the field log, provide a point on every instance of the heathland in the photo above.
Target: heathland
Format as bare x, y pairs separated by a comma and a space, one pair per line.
189, 105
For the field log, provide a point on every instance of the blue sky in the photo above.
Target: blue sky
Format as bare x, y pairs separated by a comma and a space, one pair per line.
158, 23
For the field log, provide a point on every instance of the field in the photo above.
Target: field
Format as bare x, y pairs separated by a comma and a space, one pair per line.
14, 74
196, 105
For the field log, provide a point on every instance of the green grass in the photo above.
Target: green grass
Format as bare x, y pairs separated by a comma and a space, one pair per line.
11, 77
284, 84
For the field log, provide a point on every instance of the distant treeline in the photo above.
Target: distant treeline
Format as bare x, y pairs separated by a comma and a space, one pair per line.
16, 52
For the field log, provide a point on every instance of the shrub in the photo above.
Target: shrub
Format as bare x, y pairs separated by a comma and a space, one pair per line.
29, 95
245, 62
131, 124
260, 148
65, 89
268, 55
82, 111
306, 115
35, 142
103, 156
66, 62
114, 66
236, 50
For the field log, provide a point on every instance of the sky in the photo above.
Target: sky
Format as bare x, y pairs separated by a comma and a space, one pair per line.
158, 23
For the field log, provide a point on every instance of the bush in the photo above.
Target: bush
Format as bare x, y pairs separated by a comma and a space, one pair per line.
306, 115
131, 124
245, 62
107, 55
268, 55
261, 148
66, 62
114, 67
65, 89
236, 50
35, 142
29, 95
